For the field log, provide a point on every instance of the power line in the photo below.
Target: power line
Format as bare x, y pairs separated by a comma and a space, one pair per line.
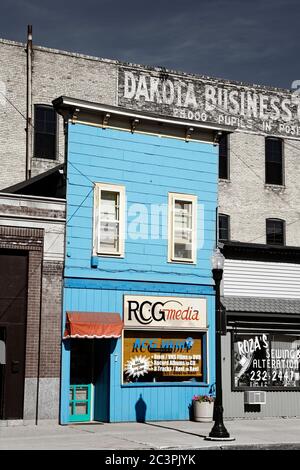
255, 126
286, 144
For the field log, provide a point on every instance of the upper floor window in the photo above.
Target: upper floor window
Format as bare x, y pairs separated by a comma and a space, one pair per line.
275, 229
274, 160
182, 227
223, 157
45, 132
109, 215
224, 227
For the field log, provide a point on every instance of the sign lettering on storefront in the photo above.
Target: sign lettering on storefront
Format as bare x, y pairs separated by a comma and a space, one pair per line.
249, 108
165, 312
266, 360
160, 357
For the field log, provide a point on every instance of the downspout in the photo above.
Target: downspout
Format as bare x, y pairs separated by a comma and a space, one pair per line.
29, 103
40, 339
62, 309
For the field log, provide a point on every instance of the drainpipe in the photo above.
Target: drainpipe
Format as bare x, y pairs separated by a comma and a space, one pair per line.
39, 341
29, 127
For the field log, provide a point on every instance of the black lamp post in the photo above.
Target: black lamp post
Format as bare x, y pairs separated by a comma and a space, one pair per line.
218, 432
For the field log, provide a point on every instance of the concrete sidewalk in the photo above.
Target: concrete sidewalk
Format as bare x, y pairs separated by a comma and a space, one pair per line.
167, 435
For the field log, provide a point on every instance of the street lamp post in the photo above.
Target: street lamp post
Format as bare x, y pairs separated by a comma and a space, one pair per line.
218, 432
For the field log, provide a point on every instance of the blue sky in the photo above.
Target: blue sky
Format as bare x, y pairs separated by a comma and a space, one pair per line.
254, 42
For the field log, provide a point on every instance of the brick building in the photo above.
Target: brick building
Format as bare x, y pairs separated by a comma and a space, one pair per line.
259, 187
56, 73
31, 263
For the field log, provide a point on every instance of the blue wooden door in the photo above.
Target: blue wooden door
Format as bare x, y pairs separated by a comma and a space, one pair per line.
80, 403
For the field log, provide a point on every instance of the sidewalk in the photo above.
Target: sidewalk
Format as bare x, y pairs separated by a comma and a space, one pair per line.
282, 433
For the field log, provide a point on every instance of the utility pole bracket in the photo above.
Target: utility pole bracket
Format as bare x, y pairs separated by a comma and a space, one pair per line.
217, 136
188, 133
134, 124
105, 120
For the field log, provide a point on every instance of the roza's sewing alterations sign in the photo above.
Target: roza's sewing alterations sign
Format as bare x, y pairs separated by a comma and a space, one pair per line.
204, 100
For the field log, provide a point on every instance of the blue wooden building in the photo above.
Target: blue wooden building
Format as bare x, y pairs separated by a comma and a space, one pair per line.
138, 323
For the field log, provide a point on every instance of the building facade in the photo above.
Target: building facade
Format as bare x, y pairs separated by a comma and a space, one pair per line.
31, 250
259, 187
139, 307
247, 196
261, 350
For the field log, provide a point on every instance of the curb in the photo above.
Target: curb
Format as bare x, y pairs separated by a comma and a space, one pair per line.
270, 446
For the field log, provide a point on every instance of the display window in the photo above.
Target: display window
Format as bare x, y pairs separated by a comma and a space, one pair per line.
172, 356
265, 360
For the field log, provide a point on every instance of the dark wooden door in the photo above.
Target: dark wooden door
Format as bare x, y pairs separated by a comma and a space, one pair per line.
13, 310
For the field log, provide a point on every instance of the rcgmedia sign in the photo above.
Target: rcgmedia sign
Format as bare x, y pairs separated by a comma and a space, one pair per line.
165, 312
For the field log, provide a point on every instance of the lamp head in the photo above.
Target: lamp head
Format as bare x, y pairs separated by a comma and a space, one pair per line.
217, 260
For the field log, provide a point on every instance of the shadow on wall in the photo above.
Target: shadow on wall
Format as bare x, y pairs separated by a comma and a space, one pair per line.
140, 410
191, 412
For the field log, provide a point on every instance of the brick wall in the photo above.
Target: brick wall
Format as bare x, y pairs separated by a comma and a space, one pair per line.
30, 240
43, 325
33, 313
249, 201
12, 128
51, 319
54, 73
245, 197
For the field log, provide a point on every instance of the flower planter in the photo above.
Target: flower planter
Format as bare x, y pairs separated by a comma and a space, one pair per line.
203, 411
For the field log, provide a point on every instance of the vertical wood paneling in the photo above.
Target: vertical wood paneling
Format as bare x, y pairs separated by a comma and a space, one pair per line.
164, 402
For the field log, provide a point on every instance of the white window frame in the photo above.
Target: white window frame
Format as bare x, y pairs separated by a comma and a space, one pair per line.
98, 187
171, 240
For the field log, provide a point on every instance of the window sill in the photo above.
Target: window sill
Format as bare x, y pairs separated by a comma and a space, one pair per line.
266, 389
275, 187
95, 259
224, 180
165, 384
42, 159
193, 263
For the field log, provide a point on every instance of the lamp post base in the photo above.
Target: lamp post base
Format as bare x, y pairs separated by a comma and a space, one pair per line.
208, 438
219, 432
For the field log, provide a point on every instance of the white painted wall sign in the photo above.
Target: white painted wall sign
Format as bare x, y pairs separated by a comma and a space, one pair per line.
249, 108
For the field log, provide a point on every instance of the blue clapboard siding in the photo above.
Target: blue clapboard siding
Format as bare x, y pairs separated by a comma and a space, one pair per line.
164, 401
150, 167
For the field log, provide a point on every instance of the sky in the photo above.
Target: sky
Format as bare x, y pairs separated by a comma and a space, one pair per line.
250, 41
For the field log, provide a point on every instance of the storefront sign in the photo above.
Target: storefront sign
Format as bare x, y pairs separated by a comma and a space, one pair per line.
266, 360
164, 312
163, 357
207, 100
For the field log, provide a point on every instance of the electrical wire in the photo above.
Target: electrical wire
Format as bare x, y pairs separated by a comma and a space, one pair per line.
255, 126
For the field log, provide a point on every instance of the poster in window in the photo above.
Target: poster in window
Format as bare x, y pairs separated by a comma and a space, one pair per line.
266, 360
162, 357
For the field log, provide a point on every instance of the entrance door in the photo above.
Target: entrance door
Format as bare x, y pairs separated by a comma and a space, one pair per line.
2, 365
81, 379
13, 310
89, 380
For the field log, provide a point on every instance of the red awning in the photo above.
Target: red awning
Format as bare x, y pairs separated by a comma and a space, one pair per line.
93, 325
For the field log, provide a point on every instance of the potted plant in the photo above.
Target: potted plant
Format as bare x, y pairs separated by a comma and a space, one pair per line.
203, 407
